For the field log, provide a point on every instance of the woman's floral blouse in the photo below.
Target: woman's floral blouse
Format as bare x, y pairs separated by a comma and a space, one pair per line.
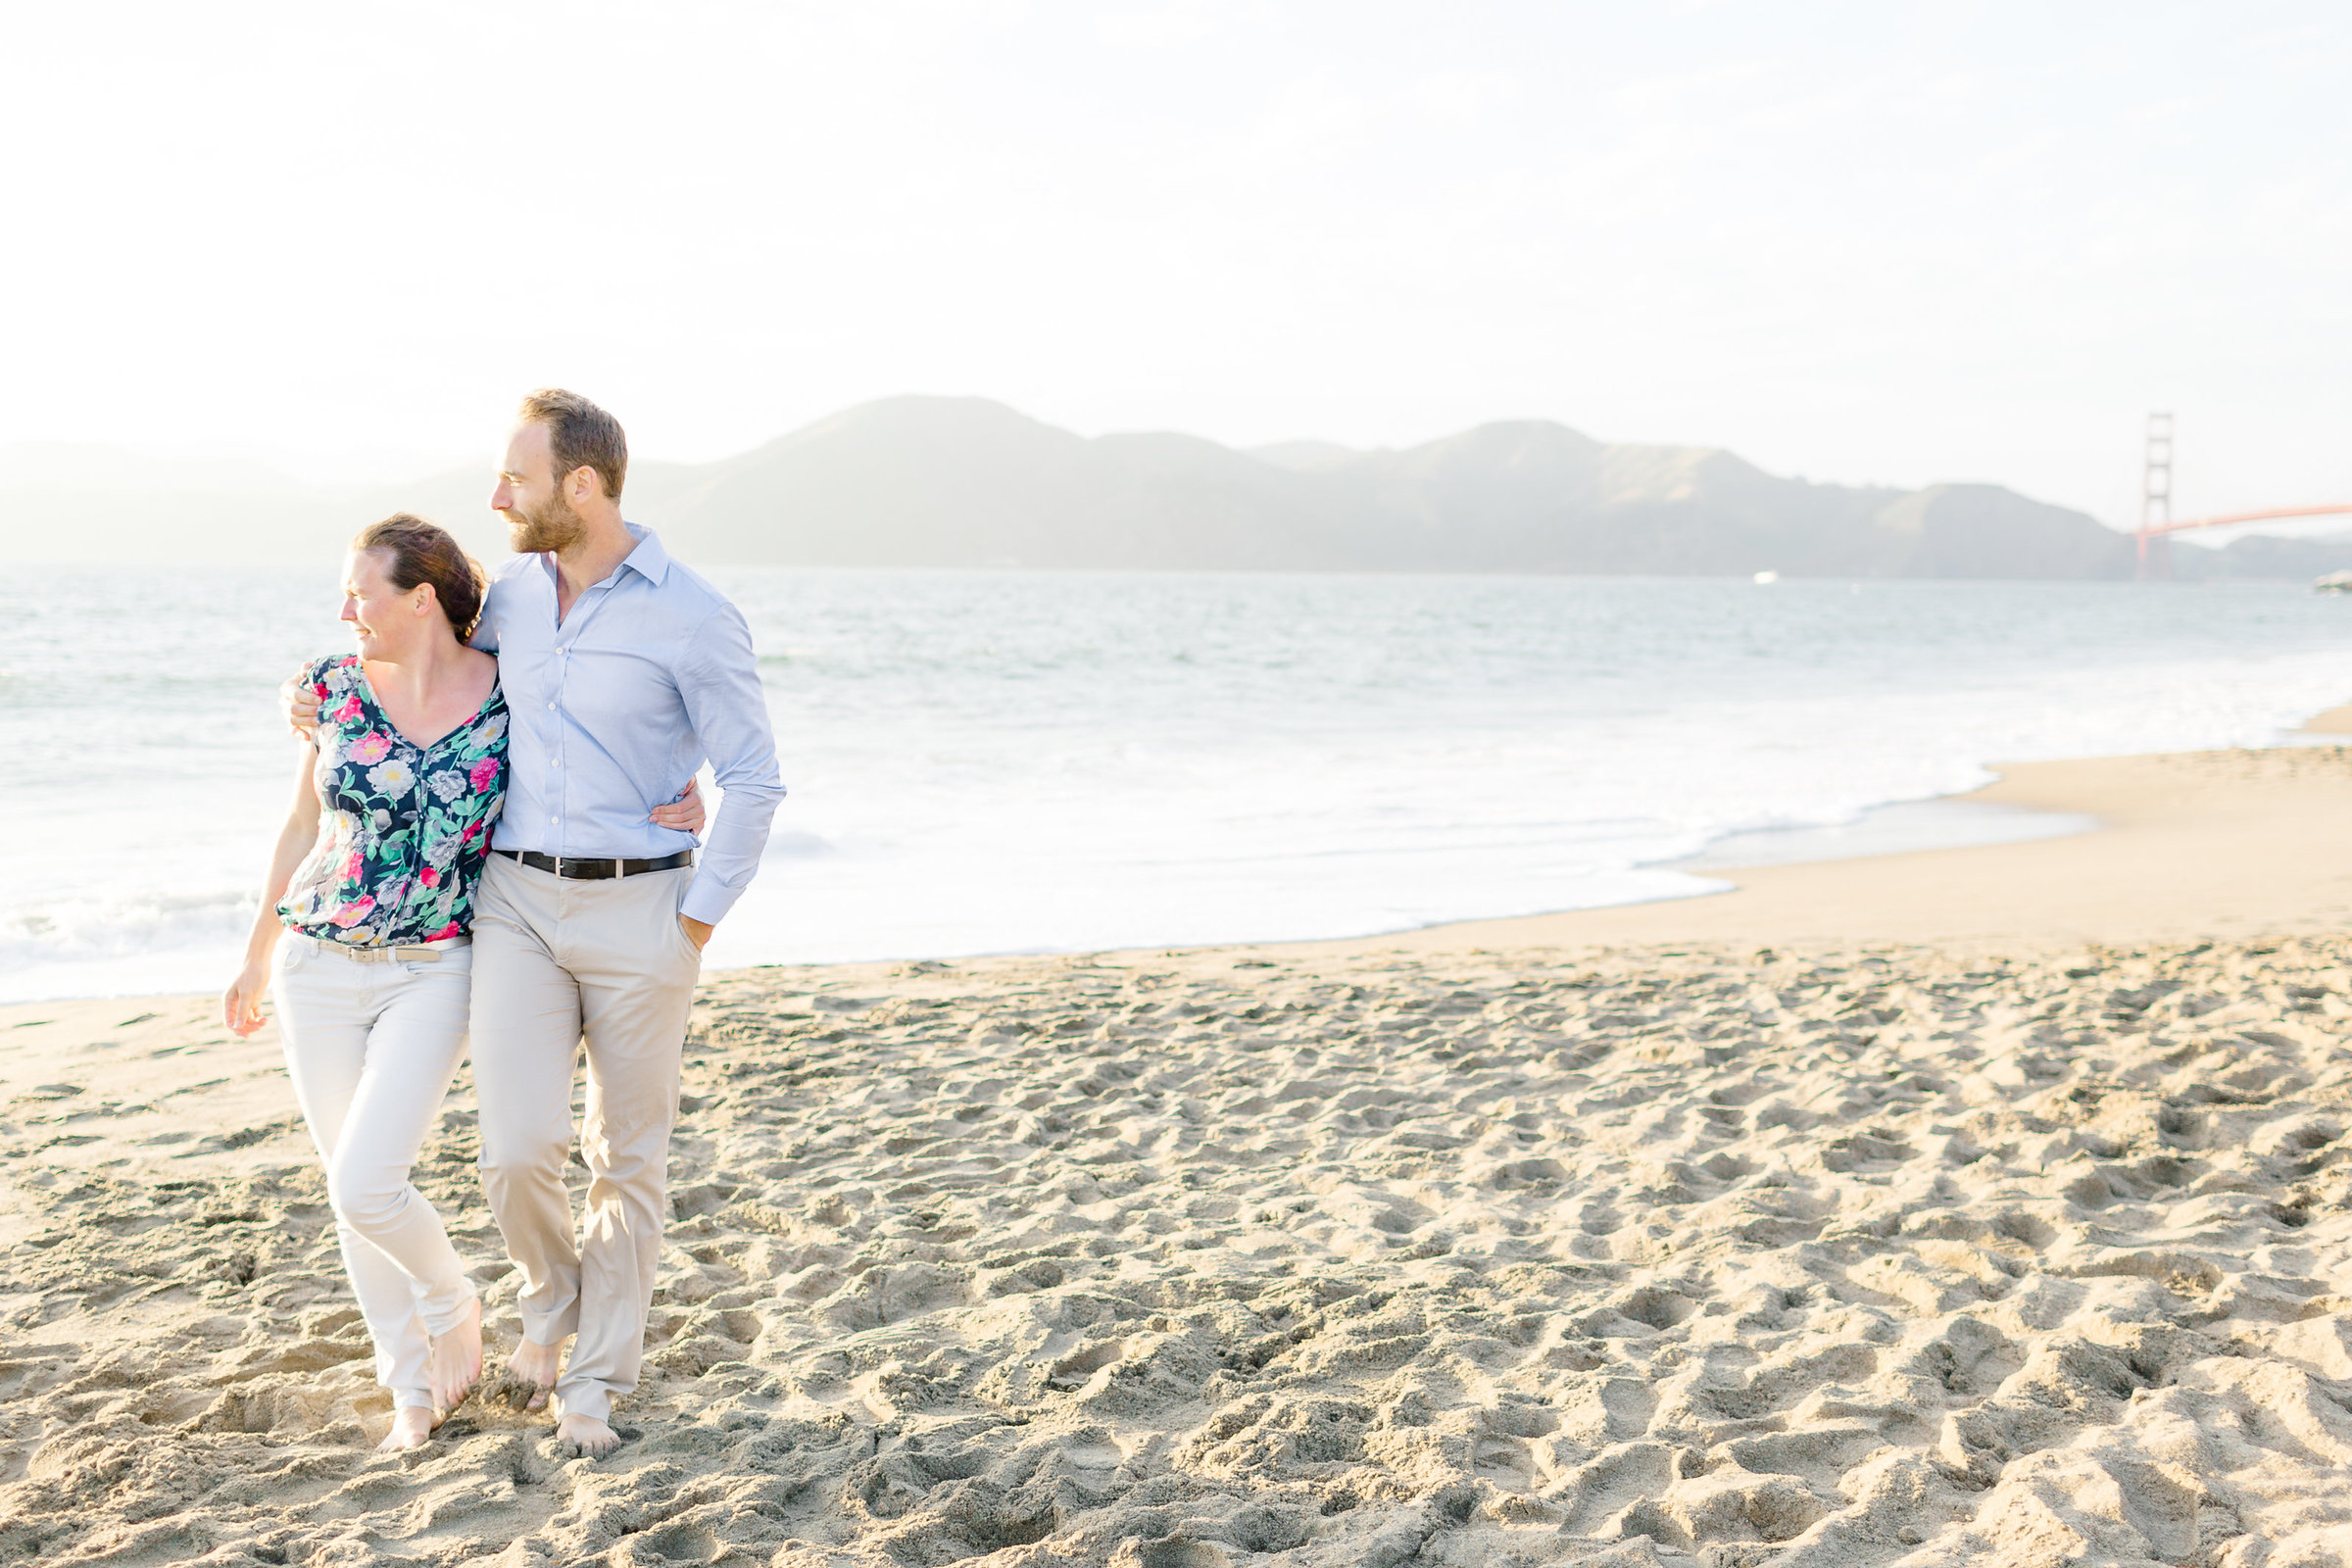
402, 829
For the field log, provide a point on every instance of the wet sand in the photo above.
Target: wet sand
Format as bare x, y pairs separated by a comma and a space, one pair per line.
1973, 1206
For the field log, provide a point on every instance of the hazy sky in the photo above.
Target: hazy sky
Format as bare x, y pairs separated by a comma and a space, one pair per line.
1860, 242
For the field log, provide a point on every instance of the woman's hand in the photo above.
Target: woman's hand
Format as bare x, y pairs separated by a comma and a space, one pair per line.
241, 1003
297, 705
685, 813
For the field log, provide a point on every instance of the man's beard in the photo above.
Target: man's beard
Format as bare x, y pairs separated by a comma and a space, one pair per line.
553, 525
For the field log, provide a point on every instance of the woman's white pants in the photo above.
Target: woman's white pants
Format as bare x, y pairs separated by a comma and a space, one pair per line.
371, 1046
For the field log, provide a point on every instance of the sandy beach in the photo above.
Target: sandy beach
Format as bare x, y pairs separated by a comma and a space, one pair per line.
1984, 1205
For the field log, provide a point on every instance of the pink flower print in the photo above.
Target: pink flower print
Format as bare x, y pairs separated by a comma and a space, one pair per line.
319, 687
349, 711
429, 877
449, 930
352, 915
371, 746
483, 774
351, 867
471, 828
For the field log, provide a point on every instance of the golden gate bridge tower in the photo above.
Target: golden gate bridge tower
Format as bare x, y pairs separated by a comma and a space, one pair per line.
2156, 500
2156, 524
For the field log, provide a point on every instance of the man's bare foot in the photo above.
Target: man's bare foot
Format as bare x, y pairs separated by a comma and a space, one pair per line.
455, 1364
585, 1436
535, 1367
411, 1427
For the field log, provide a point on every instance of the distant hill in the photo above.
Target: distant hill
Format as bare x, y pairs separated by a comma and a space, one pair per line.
926, 481
2265, 556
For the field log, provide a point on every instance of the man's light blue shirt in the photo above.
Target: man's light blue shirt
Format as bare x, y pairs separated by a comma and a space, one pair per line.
614, 710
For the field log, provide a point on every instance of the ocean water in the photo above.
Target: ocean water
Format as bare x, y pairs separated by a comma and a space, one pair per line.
989, 762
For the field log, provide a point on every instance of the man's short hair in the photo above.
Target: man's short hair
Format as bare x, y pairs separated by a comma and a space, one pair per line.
582, 436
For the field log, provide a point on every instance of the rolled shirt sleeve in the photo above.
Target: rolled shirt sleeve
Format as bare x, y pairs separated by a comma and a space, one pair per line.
718, 680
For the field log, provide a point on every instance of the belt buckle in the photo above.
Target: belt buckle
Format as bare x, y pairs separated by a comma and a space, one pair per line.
618, 865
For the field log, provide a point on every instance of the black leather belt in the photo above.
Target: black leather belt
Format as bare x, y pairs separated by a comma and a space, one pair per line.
582, 869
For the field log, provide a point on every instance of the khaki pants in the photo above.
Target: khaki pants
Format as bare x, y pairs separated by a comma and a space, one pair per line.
559, 963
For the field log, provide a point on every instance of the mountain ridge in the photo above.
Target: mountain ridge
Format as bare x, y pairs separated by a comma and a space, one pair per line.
917, 480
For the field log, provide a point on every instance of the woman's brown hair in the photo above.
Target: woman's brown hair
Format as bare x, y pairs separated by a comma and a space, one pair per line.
423, 552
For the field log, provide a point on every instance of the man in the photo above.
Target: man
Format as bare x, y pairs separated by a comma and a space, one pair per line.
623, 671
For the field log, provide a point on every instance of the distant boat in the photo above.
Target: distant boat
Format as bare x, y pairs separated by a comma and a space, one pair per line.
2336, 582
1774, 576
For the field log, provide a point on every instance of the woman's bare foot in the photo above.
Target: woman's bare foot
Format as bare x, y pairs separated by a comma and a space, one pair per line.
585, 1436
411, 1427
455, 1364
534, 1366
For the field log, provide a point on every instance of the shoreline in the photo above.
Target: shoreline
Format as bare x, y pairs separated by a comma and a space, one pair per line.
2161, 804
2249, 818
2185, 844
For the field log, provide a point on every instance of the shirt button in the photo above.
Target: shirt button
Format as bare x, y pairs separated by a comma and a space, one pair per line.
551, 708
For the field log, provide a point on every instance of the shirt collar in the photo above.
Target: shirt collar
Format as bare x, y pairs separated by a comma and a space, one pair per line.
651, 561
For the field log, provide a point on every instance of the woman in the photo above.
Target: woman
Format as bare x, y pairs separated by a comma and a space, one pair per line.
371, 889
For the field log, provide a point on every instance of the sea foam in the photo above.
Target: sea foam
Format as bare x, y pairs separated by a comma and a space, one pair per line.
986, 763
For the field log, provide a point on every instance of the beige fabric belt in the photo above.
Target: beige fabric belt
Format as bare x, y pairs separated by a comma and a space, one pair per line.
419, 952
